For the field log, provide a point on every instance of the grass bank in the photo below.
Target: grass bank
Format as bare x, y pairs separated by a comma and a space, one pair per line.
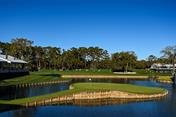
34, 77
91, 87
166, 79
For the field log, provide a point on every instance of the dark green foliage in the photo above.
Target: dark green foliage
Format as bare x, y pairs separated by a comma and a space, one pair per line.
77, 58
54, 58
123, 61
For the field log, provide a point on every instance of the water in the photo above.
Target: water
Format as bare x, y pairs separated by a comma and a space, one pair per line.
165, 107
8, 93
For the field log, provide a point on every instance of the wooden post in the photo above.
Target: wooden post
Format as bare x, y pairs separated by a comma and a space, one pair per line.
27, 104
50, 100
35, 103
43, 102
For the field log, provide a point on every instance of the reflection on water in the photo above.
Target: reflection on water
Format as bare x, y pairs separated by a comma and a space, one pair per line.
106, 80
103, 102
165, 107
8, 93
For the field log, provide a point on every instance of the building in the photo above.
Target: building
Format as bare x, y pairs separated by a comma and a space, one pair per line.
11, 67
162, 67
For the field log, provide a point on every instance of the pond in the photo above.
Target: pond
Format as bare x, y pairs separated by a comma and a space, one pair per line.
165, 107
13, 92
8, 93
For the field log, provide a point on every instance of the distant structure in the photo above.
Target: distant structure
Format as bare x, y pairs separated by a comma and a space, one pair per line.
11, 67
162, 67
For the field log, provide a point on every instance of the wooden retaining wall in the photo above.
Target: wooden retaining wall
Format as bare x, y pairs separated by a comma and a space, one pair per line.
164, 81
92, 96
41, 83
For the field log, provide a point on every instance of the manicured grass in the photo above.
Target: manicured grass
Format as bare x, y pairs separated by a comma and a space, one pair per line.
86, 72
34, 77
91, 87
119, 87
149, 72
165, 78
139, 72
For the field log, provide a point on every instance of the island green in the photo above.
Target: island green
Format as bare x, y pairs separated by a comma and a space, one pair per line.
91, 87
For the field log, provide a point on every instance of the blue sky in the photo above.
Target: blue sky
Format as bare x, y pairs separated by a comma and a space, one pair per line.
143, 26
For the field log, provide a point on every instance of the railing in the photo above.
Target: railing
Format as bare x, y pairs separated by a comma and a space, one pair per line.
162, 68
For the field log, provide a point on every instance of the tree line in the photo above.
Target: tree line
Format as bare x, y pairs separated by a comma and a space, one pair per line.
75, 58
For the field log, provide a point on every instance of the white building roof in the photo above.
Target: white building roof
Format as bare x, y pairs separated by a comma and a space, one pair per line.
162, 66
10, 59
4, 60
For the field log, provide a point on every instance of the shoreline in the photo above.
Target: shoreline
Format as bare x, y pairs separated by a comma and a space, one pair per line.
42, 83
83, 91
164, 81
22, 85
94, 96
